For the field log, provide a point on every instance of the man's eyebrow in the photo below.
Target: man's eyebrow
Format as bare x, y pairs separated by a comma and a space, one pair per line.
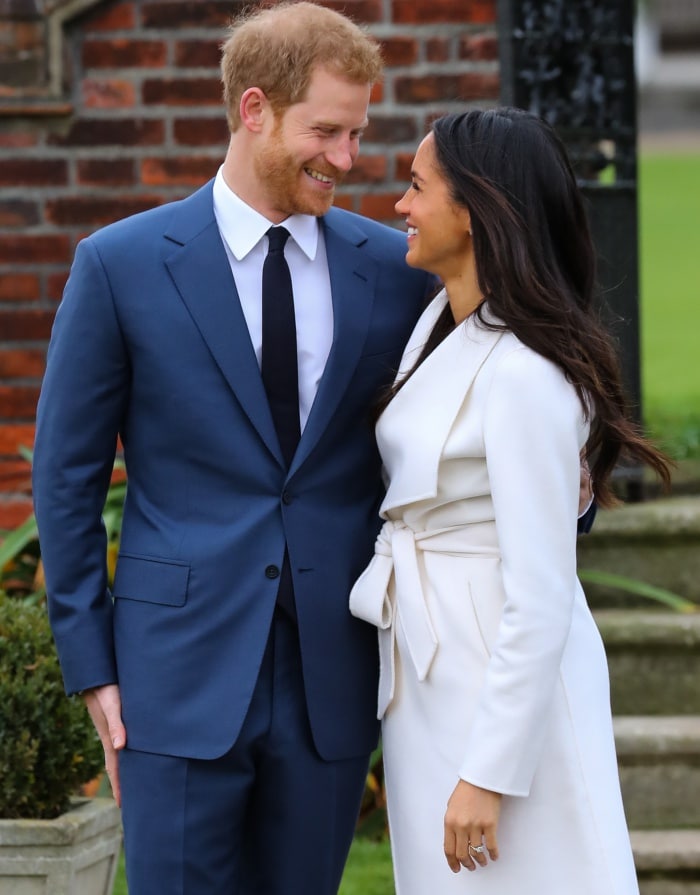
416, 176
335, 126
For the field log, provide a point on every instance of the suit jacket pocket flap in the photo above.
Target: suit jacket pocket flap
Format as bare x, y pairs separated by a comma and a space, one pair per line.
151, 580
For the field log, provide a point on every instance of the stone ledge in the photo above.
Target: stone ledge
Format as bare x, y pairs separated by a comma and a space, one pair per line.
656, 542
665, 517
662, 735
648, 628
88, 817
654, 661
666, 850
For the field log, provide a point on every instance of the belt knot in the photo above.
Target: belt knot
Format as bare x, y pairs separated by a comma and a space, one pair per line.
374, 601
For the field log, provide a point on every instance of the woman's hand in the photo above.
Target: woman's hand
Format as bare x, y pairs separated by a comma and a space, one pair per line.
471, 819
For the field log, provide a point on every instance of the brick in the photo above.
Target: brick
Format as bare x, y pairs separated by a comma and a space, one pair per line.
33, 172
212, 14
345, 201
19, 287
424, 12
75, 210
111, 93
479, 47
380, 206
377, 92
22, 53
117, 17
186, 171
432, 115
22, 364
182, 92
106, 172
367, 169
124, 53
55, 284
35, 249
18, 139
391, 129
399, 51
15, 476
201, 131
366, 11
18, 213
197, 53
437, 49
25, 326
111, 132
404, 165
13, 512
18, 402
20, 36
442, 88
14, 436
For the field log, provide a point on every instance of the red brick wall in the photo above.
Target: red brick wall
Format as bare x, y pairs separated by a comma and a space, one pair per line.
133, 118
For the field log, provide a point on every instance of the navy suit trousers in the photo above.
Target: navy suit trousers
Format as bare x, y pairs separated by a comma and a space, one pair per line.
269, 817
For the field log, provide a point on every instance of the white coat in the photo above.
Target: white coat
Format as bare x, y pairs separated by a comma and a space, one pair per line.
492, 668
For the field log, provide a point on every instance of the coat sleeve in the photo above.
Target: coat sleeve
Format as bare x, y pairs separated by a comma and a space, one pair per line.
78, 418
533, 430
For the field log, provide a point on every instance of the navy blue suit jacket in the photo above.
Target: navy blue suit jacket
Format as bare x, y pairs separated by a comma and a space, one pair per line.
150, 344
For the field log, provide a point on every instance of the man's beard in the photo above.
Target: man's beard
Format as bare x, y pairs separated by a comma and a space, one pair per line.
283, 181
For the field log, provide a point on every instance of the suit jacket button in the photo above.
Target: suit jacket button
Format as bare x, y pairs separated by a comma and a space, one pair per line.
286, 498
272, 572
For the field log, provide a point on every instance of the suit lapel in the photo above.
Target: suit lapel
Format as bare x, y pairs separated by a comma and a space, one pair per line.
201, 272
353, 279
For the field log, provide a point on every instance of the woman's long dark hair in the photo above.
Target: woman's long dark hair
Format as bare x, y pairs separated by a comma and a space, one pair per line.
536, 267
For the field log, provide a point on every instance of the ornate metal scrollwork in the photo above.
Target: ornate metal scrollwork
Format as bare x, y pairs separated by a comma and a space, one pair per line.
572, 62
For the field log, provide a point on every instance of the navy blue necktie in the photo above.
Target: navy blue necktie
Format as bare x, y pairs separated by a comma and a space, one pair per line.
279, 344
279, 371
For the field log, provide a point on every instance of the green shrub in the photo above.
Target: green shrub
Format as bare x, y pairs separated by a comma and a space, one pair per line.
48, 746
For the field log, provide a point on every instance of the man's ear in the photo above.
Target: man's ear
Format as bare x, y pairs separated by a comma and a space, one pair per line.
253, 108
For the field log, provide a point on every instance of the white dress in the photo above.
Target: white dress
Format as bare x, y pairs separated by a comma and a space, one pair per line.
492, 668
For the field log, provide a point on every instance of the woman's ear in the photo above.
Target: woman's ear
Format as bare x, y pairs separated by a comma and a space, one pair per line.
252, 109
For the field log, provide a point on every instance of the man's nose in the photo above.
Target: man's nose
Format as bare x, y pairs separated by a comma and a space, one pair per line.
342, 154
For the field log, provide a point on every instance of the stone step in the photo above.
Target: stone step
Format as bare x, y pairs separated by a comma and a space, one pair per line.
654, 661
659, 763
667, 861
656, 542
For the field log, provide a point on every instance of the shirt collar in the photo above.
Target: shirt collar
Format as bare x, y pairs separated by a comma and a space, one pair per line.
242, 227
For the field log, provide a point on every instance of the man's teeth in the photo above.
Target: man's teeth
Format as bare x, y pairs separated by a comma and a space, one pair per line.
318, 176
413, 231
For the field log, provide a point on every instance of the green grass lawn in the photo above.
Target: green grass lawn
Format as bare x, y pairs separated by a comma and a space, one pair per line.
669, 219
368, 871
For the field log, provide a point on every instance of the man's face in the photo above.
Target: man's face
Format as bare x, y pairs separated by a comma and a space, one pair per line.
305, 151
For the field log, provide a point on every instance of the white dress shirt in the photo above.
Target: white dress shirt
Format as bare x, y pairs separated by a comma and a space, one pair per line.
243, 232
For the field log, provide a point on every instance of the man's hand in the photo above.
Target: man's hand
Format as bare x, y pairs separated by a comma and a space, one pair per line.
105, 707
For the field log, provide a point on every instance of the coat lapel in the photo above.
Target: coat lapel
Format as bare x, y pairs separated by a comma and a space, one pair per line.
201, 272
427, 405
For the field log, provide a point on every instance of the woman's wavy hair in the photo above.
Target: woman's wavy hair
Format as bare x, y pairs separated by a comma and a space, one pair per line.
536, 267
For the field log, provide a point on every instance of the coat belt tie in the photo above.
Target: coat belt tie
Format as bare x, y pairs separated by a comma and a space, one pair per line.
372, 600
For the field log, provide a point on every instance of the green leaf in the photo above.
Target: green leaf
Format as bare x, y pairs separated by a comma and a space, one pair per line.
638, 588
17, 540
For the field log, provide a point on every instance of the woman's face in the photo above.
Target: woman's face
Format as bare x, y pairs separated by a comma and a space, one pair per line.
439, 239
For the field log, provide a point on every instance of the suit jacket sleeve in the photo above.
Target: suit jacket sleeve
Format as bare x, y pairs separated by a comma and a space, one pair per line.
78, 419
